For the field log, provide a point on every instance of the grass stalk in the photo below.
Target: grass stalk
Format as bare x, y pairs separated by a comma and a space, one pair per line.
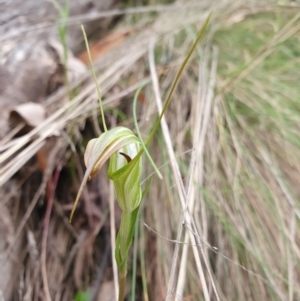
94, 77
180, 188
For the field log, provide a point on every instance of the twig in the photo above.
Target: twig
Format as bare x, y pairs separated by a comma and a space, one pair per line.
30, 208
100, 273
86, 195
52, 189
205, 245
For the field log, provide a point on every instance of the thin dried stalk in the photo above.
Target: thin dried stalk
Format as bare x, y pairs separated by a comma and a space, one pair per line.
179, 185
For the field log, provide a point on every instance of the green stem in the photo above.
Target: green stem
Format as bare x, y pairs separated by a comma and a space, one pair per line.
142, 258
135, 247
122, 286
138, 130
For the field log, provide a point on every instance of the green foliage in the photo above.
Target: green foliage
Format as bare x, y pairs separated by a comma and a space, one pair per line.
83, 296
62, 33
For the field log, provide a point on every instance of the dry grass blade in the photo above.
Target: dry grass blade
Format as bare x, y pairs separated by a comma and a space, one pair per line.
180, 187
201, 118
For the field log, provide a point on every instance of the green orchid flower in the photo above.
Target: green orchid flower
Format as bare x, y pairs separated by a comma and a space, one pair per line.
122, 147
119, 145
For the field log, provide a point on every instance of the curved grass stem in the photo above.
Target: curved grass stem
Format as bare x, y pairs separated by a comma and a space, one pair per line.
94, 76
138, 130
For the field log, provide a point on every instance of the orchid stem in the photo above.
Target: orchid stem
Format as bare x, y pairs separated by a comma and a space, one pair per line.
122, 286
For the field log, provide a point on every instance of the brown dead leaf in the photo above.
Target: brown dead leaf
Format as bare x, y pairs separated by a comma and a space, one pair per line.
32, 114
105, 45
75, 68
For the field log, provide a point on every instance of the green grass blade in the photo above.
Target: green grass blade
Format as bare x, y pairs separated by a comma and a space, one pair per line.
94, 76
138, 130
